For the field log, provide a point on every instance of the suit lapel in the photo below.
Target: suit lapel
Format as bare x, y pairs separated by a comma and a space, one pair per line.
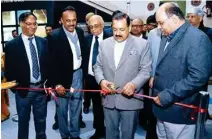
173, 42
39, 47
21, 50
129, 44
111, 54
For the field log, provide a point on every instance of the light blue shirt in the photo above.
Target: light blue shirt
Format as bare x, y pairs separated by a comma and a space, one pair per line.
154, 38
27, 48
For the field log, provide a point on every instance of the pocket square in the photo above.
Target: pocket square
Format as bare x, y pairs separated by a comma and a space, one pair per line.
133, 52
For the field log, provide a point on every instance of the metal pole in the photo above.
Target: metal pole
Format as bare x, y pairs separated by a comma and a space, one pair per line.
201, 118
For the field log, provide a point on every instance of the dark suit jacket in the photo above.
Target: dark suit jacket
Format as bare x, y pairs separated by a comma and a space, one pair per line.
62, 57
17, 64
182, 71
88, 42
207, 31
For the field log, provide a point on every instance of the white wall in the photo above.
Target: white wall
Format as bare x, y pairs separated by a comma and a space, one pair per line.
138, 8
207, 20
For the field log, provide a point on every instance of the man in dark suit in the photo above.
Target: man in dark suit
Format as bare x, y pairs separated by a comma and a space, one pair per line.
26, 62
66, 51
96, 25
183, 68
195, 17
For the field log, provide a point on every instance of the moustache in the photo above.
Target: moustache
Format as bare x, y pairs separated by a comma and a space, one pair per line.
71, 26
118, 36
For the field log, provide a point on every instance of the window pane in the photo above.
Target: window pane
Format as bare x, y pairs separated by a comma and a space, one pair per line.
41, 16
19, 12
7, 31
8, 18
41, 31
19, 30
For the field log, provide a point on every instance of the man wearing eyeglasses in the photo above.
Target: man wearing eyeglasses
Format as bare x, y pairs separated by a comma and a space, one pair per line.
137, 28
183, 67
195, 17
26, 62
96, 26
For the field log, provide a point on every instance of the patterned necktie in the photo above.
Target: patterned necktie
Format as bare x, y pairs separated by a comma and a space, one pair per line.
74, 39
35, 68
95, 50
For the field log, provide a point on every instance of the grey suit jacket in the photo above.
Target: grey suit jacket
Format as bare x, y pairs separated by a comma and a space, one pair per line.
134, 66
182, 71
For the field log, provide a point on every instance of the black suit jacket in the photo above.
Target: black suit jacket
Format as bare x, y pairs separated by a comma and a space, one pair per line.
88, 42
61, 57
17, 64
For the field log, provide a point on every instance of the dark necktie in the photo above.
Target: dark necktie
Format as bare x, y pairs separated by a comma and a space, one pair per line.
95, 50
35, 68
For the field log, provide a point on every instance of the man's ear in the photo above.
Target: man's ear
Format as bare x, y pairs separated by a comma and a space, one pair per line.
130, 27
200, 18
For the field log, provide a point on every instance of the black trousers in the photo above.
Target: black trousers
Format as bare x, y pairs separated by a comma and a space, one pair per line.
146, 117
98, 123
36, 100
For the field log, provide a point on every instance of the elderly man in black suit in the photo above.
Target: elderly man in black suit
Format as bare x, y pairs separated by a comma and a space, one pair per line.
96, 25
26, 62
66, 51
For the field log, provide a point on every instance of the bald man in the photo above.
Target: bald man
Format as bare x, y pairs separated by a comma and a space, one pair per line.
96, 26
183, 68
137, 28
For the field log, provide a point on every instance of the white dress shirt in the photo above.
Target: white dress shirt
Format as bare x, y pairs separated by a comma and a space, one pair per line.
77, 62
27, 47
118, 50
90, 68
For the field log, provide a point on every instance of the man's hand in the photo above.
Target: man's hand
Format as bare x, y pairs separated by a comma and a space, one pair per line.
105, 86
129, 89
151, 82
60, 90
157, 100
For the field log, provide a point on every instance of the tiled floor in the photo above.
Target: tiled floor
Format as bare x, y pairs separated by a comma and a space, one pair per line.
9, 128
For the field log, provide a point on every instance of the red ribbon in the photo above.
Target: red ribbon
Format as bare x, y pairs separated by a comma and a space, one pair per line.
104, 92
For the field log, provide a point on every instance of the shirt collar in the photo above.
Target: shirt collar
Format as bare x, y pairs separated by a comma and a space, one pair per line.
26, 37
67, 32
100, 35
171, 36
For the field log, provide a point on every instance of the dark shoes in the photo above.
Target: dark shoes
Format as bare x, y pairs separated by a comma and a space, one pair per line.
55, 126
98, 135
82, 124
75, 138
210, 117
86, 110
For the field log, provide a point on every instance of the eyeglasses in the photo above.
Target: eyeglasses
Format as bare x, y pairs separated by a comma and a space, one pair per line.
30, 24
94, 26
161, 23
191, 16
137, 26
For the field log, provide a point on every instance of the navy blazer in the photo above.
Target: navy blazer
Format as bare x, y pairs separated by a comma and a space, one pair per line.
61, 57
182, 71
17, 64
88, 42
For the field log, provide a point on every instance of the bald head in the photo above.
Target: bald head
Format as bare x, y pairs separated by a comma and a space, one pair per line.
169, 17
137, 25
96, 25
88, 15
